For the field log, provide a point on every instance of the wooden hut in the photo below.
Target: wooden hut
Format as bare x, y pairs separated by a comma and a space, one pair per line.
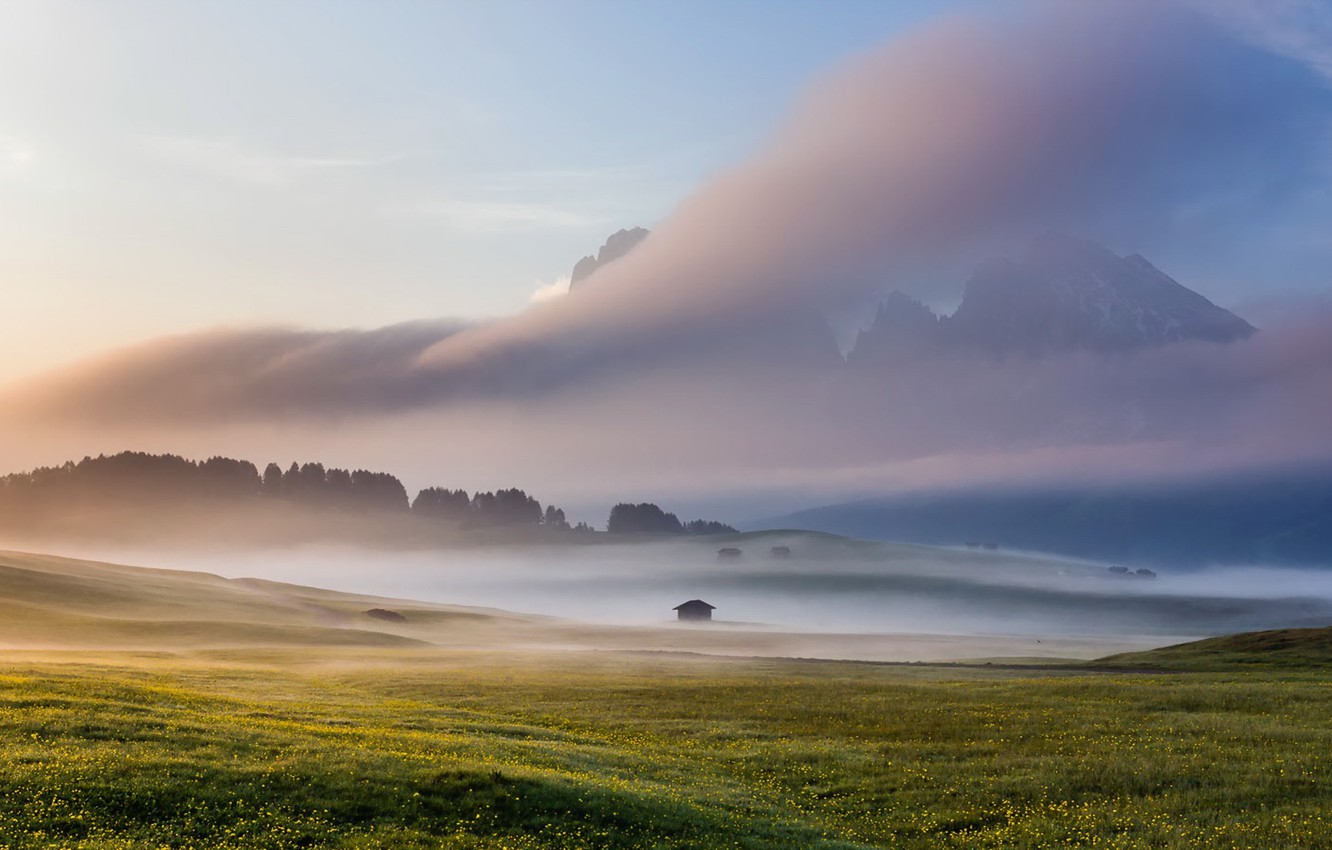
694, 609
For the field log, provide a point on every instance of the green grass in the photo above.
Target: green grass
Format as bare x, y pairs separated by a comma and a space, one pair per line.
388, 748
1283, 649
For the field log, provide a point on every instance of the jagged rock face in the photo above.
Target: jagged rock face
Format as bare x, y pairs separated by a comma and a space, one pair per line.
1065, 294
1071, 294
621, 242
903, 328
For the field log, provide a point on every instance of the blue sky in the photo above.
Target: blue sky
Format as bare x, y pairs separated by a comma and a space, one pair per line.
170, 166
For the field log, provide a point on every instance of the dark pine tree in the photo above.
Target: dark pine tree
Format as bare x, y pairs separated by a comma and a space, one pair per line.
443, 504
643, 518
707, 526
554, 518
272, 480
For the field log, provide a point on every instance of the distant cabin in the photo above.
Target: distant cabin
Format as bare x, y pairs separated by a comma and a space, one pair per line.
694, 609
729, 553
779, 552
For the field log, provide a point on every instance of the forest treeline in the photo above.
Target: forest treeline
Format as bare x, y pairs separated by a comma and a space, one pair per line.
647, 518
138, 477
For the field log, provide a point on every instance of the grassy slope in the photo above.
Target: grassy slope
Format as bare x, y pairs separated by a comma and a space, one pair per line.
59, 602
1281, 649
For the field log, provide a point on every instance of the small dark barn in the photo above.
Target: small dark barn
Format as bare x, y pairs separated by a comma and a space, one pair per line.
694, 609
729, 553
386, 615
779, 552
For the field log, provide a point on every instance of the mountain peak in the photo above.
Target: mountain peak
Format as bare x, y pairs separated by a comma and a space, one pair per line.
902, 327
1069, 293
618, 244
1066, 293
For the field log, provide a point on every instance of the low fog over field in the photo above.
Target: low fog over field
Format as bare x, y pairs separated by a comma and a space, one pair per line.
828, 585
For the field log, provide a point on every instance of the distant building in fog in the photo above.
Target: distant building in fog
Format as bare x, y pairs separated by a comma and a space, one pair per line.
779, 552
694, 609
729, 553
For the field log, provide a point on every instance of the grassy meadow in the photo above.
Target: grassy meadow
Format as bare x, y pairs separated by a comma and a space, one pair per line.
241, 714
400, 748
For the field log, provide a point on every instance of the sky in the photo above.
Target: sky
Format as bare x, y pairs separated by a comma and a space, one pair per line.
166, 167
314, 231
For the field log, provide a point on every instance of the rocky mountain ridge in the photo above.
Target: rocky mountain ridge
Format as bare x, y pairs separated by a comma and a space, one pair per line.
1065, 294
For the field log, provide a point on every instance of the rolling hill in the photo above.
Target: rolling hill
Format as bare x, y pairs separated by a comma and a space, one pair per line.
1276, 648
55, 602
1281, 517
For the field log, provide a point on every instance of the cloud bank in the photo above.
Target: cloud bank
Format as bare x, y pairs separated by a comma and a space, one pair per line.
245, 374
